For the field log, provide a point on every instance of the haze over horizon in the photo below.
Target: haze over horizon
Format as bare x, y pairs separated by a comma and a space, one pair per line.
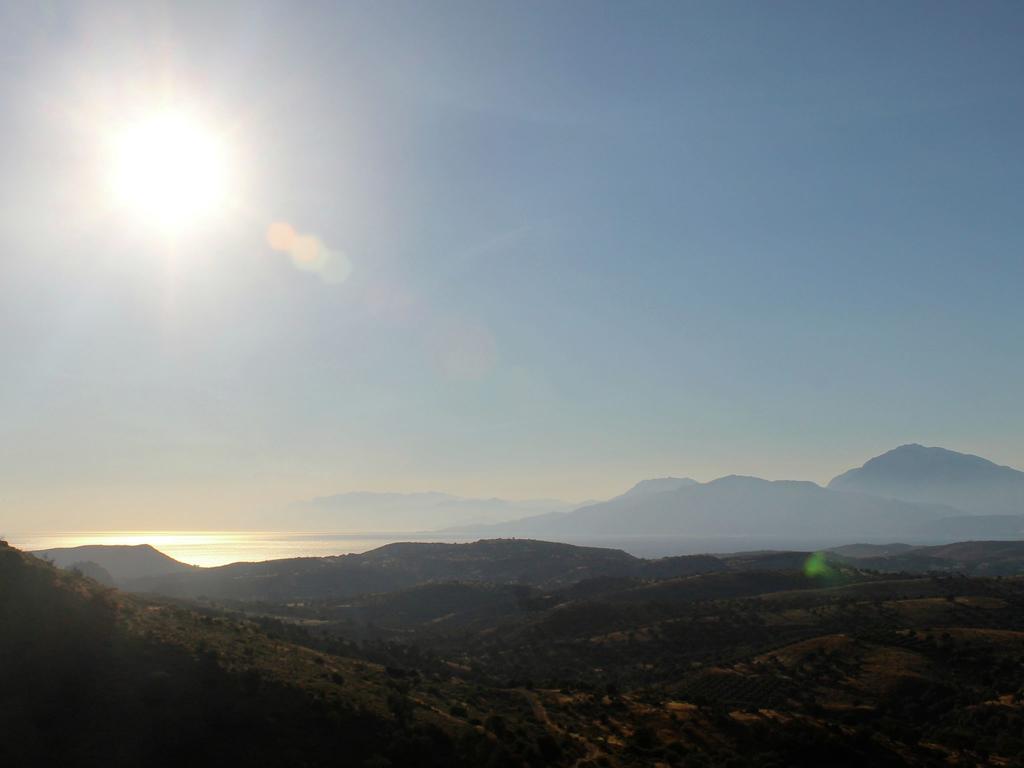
496, 250
948, 487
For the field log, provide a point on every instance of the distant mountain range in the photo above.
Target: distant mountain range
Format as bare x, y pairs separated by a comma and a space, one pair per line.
912, 493
736, 505
922, 494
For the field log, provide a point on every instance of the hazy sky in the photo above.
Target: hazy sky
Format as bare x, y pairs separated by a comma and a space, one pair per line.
589, 243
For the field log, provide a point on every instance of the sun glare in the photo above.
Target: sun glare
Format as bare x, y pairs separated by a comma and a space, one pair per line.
170, 170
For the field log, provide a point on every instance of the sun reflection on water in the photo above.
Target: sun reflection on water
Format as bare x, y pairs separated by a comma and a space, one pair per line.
211, 548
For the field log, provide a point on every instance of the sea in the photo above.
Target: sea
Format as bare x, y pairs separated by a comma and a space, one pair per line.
213, 548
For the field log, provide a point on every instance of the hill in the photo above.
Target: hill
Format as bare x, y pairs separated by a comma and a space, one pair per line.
989, 558
916, 473
400, 566
122, 562
870, 550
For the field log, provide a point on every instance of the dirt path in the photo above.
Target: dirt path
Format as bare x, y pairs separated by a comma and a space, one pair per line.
541, 713
539, 710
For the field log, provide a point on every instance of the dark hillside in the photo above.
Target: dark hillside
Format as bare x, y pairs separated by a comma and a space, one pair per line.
401, 566
824, 663
91, 677
982, 558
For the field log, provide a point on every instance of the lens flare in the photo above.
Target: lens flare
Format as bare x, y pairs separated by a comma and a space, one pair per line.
817, 566
309, 253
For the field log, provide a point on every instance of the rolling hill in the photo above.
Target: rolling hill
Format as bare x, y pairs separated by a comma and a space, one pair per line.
982, 558
123, 562
404, 565
749, 659
753, 666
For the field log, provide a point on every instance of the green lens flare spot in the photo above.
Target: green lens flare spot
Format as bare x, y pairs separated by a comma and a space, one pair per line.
816, 565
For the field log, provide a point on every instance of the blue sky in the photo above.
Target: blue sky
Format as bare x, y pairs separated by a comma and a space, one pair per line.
590, 243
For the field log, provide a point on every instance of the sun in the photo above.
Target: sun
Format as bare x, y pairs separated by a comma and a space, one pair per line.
170, 170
